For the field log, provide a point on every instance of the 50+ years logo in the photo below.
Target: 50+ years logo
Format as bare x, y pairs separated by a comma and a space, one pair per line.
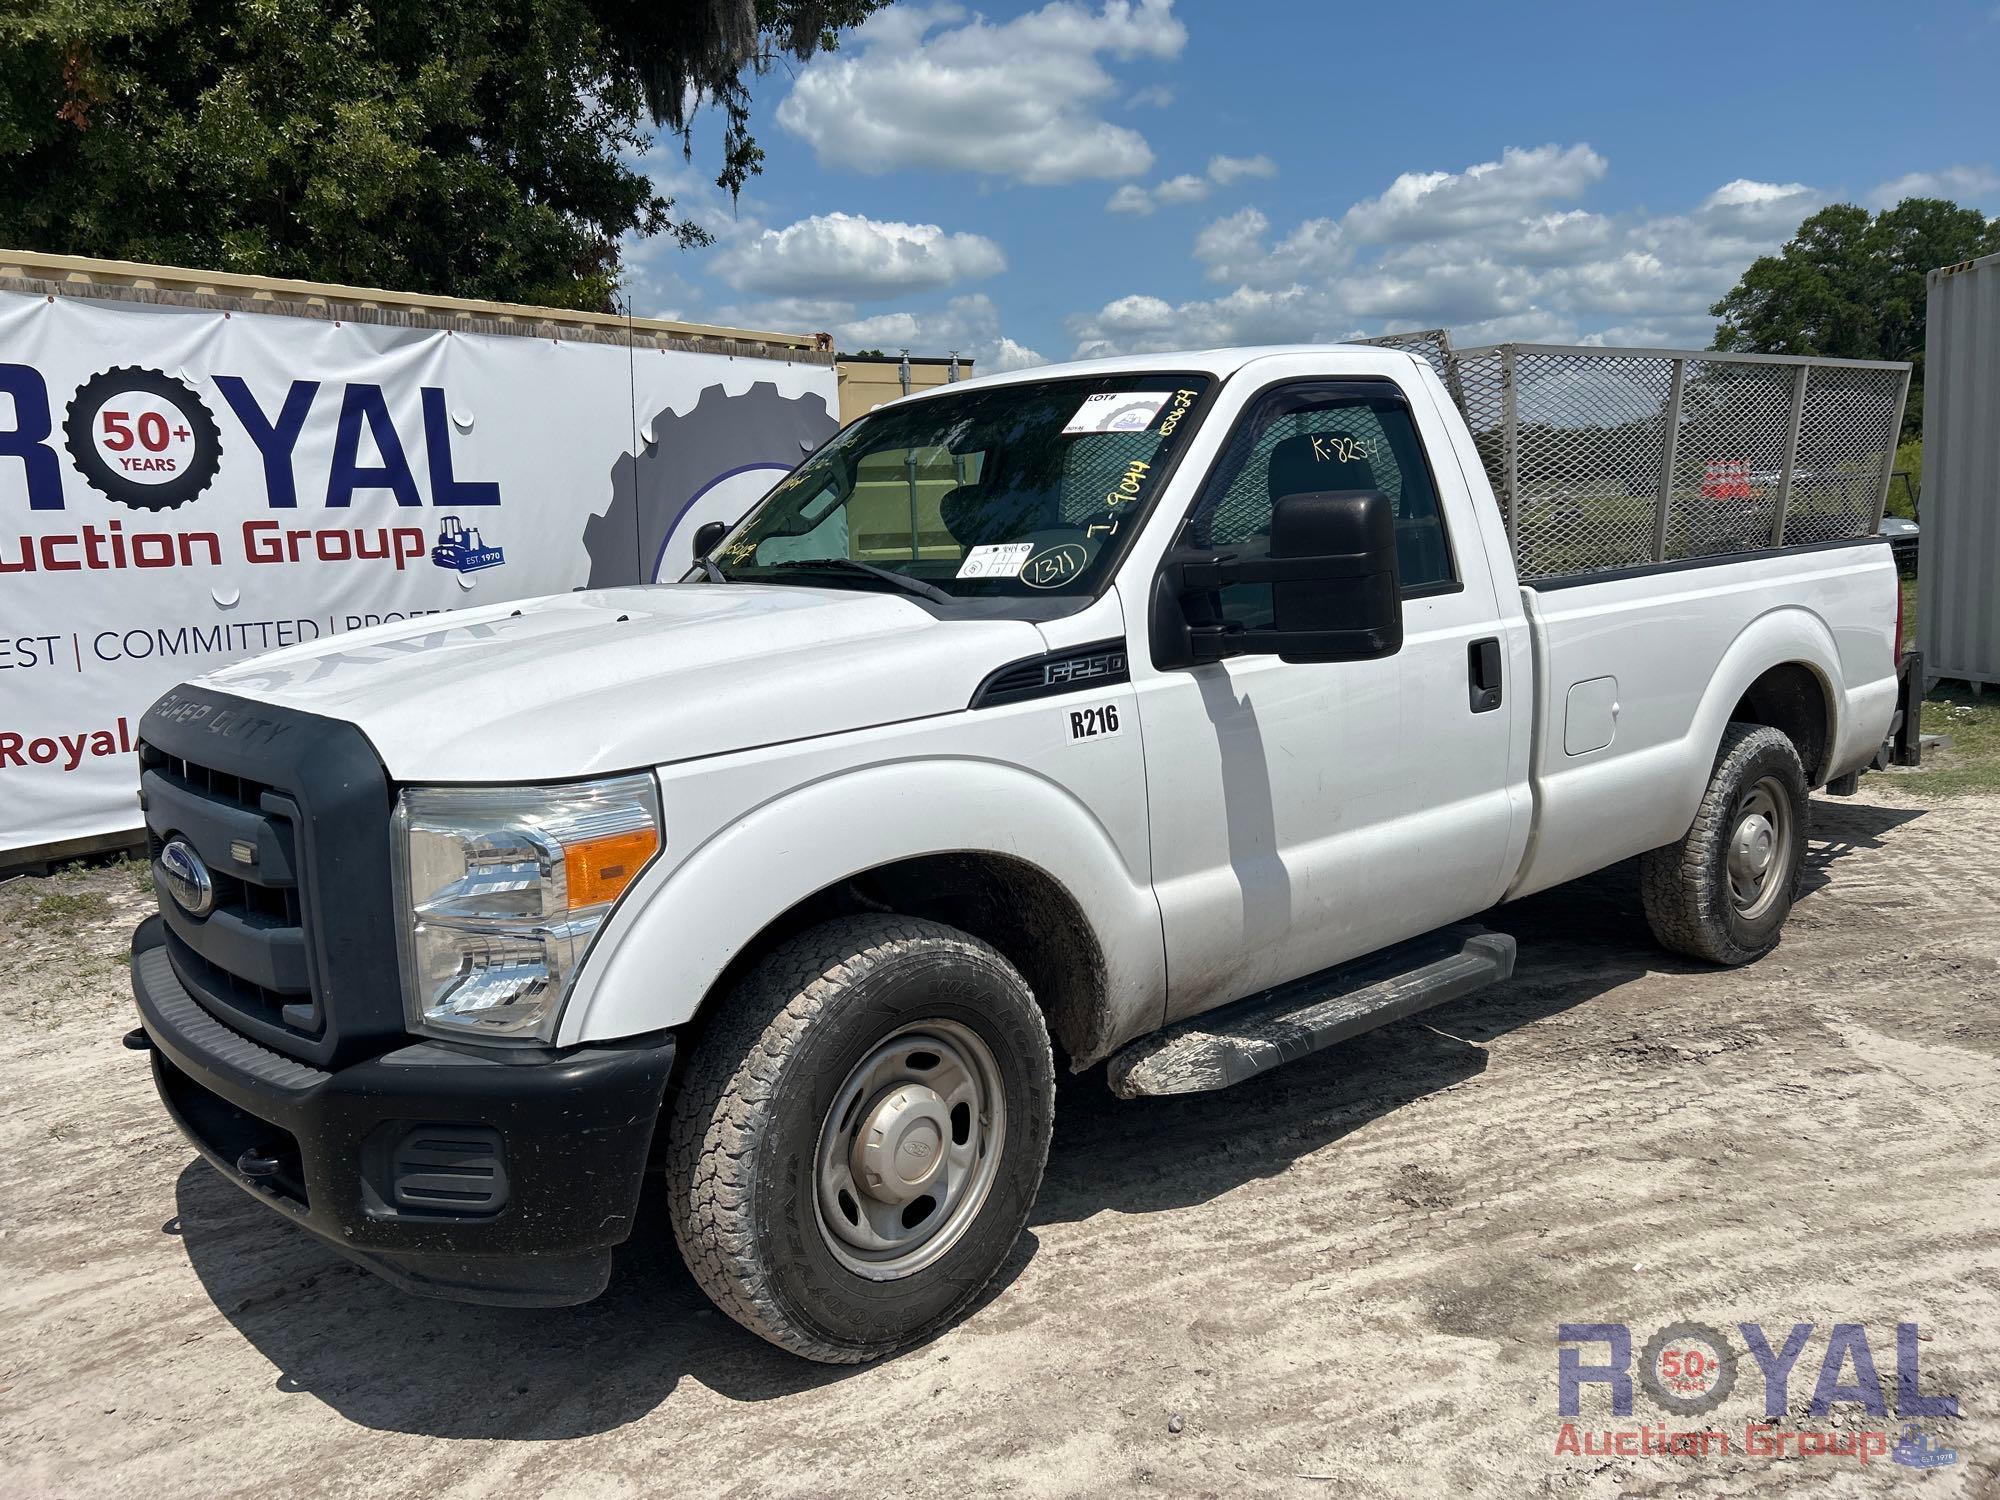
142, 438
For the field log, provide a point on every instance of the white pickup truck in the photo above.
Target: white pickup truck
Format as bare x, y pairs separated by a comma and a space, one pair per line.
1178, 711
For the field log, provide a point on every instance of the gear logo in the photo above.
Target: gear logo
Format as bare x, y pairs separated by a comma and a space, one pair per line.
142, 438
709, 463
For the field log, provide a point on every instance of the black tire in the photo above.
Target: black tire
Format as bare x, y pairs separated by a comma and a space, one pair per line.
1686, 887
743, 1140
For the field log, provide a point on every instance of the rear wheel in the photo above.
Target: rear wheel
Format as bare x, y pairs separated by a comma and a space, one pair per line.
860, 1135
1723, 892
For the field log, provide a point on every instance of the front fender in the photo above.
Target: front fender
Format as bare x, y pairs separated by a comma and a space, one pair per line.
684, 922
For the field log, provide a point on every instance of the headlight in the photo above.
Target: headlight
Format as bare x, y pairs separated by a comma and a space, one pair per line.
502, 889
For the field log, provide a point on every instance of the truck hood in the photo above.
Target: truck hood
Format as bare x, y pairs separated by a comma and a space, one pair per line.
614, 679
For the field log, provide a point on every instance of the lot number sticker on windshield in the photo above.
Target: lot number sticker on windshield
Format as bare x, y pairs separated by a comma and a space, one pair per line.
1054, 566
1117, 411
999, 561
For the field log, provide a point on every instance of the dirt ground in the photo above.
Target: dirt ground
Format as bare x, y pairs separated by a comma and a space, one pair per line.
1345, 1278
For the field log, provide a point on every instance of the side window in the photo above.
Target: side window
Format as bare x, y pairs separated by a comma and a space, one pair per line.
1306, 438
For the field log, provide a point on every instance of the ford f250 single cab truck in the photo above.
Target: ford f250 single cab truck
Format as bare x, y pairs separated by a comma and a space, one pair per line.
1176, 712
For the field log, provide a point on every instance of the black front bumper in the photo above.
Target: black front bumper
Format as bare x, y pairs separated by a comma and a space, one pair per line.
481, 1175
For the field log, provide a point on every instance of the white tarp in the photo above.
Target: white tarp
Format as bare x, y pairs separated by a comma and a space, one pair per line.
182, 487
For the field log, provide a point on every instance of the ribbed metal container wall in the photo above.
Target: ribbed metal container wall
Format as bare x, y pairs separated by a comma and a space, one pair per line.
1958, 611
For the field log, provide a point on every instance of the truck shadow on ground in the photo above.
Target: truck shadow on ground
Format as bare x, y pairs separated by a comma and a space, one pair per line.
389, 1361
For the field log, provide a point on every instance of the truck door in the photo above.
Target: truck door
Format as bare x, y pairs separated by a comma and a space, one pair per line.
1304, 814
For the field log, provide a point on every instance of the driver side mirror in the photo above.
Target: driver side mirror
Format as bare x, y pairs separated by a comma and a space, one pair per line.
707, 535
1334, 589
1346, 604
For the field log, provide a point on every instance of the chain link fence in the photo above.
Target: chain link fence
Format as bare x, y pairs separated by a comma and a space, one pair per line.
1614, 458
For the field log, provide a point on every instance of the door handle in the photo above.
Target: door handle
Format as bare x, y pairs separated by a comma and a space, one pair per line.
1482, 661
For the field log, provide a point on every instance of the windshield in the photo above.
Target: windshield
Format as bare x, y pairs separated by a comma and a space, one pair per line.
1015, 491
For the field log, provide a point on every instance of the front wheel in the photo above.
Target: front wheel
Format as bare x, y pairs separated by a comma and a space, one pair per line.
1723, 892
860, 1135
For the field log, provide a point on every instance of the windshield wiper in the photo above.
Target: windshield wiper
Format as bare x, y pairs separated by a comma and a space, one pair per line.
902, 581
708, 567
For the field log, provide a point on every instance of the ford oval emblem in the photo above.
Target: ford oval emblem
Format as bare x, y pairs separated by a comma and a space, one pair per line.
187, 878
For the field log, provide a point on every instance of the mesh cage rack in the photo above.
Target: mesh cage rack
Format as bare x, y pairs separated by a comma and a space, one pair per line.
1608, 458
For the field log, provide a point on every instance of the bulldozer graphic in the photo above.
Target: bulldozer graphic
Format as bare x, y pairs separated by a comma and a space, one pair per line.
461, 547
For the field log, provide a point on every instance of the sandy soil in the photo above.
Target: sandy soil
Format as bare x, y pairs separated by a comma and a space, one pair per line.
1345, 1278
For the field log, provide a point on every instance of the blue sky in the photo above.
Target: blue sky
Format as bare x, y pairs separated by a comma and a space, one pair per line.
1086, 177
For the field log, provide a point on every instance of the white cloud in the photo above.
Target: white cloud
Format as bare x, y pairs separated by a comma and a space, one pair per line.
1965, 184
1152, 96
1133, 199
1420, 205
1227, 169
924, 86
1747, 192
970, 324
1233, 249
1499, 250
841, 255
1188, 188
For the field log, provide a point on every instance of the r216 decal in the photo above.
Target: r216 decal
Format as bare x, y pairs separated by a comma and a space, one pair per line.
1093, 723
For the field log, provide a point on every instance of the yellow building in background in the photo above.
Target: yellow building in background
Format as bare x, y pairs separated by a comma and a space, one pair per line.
867, 380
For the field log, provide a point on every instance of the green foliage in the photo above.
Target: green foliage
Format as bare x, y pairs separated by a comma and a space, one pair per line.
1970, 762
1851, 286
475, 148
1903, 497
67, 909
686, 53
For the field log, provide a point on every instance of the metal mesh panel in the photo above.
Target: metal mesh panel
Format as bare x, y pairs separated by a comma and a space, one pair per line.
1585, 447
1589, 441
1432, 345
1479, 385
1734, 431
1847, 442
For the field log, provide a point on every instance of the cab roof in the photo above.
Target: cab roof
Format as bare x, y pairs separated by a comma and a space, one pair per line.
1220, 363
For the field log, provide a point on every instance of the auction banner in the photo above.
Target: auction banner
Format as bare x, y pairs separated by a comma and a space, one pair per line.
183, 487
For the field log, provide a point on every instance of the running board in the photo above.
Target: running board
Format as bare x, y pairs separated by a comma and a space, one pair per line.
1228, 1045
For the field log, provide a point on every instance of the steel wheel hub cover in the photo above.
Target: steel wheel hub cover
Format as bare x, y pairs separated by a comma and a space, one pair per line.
1751, 850
1760, 848
909, 1148
899, 1147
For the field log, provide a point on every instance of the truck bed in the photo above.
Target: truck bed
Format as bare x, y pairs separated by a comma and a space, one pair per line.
1637, 674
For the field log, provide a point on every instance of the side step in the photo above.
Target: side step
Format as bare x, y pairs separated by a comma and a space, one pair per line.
1228, 1045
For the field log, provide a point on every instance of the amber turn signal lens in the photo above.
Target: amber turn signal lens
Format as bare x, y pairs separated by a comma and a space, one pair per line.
598, 869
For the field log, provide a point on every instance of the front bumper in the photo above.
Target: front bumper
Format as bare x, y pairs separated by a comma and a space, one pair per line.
476, 1174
